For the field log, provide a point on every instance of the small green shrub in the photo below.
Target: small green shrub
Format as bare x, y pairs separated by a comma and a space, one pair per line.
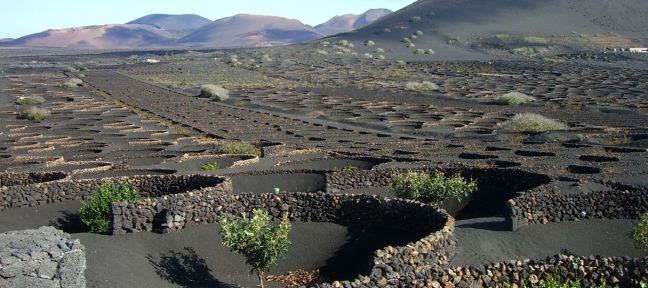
96, 213
368, 55
429, 52
552, 282
369, 43
380, 57
73, 82
640, 233
215, 92
240, 148
321, 52
418, 32
415, 19
401, 62
33, 113
514, 98
419, 51
421, 86
535, 40
410, 45
530, 122
431, 188
30, 100
261, 244
210, 166
348, 169
379, 50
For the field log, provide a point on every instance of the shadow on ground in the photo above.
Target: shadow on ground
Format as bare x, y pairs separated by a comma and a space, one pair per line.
69, 222
186, 269
354, 257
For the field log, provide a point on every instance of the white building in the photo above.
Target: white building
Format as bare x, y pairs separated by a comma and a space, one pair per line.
639, 50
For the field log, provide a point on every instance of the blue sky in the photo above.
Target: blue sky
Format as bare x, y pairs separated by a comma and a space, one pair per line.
22, 17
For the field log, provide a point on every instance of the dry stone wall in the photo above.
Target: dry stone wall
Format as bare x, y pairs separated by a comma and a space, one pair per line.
398, 266
546, 205
57, 191
15, 179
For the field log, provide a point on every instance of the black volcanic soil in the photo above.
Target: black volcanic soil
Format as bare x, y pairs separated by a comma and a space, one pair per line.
483, 240
196, 257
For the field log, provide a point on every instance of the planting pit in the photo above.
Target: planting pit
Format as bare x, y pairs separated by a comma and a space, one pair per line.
334, 164
289, 182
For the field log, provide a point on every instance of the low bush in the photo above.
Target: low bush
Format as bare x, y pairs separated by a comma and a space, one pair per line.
96, 213
410, 45
30, 100
431, 188
215, 92
380, 57
240, 148
419, 51
418, 32
33, 113
415, 19
210, 166
401, 62
321, 52
369, 43
261, 244
73, 82
535, 40
368, 56
640, 233
429, 52
69, 69
514, 98
421, 86
379, 50
530, 122
347, 169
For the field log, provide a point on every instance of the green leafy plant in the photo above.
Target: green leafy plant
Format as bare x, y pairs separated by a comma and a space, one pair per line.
553, 282
33, 113
215, 92
261, 244
433, 188
96, 213
514, 98
210, 166
640, 233
240, 148
30, 100
69, 69
73, 82
530, 122
348, 169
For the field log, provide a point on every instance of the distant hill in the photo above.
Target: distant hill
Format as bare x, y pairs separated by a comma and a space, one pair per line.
6, 40
348, 22
463, 29
112, 36
178, 25
246, 30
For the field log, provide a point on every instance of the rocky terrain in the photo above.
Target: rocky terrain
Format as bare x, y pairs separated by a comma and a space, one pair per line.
333, 122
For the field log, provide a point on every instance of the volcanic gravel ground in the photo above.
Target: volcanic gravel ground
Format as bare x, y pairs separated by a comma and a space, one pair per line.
485, 240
